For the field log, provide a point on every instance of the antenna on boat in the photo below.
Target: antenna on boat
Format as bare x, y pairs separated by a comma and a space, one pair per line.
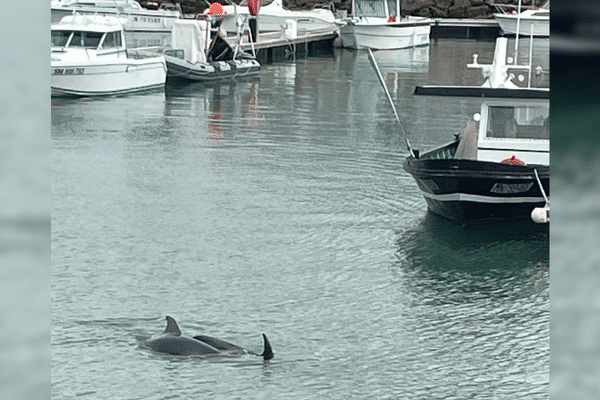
374, 64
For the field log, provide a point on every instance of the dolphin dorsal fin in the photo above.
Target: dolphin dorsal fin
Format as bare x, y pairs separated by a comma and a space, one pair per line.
172, 327
268, 352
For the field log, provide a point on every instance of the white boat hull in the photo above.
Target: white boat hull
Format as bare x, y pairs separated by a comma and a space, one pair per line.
508, 24
132, 20
272, 18
377, 34
98, 79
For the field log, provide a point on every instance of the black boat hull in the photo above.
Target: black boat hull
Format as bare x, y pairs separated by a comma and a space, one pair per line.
210, 71
471, 191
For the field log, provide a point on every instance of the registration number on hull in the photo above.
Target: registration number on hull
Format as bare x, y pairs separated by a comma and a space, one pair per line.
68, 71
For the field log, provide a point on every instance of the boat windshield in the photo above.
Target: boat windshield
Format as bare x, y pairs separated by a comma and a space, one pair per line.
112, 39
78, 39
520, 122
60, 38
370, 8
392, 7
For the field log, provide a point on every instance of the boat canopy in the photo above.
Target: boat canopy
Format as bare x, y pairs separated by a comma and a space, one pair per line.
193, 37
89, 23
102, 3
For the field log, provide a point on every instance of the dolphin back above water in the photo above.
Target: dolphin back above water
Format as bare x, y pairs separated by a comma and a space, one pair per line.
171, 342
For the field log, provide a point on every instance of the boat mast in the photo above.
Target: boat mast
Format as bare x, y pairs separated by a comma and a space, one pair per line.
518, 27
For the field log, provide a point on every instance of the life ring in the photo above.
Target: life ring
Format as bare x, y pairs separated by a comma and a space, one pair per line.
513, 161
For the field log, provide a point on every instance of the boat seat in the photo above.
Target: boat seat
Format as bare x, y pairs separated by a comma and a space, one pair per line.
467, 147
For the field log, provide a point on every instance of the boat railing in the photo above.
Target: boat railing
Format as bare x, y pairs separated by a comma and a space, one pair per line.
445, 152
508, 8
139, 53
110, 52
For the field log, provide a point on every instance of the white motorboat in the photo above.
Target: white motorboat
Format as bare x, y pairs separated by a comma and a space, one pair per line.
272, 18
528, 22
379, 25
200, 54
135, 17
89, 58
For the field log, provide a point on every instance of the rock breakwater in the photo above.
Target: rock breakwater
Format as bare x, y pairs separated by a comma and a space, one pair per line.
423, 8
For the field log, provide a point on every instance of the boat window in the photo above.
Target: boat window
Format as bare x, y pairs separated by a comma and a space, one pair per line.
369, 8
521, 122
111, 40
86, 39
60, 38
392, 7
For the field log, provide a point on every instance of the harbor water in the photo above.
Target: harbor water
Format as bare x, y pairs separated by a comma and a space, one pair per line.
279, 205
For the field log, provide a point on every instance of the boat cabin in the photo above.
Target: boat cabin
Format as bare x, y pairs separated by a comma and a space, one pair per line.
507, 128
375, 9
88, 32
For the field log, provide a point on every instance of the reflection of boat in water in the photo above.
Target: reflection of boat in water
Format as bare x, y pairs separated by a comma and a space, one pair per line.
89, 58
474, 248
135, 17
404, 60
411, 60
217, 89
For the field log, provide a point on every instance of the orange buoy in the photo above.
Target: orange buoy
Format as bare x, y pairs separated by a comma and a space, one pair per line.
513, 161
215, 9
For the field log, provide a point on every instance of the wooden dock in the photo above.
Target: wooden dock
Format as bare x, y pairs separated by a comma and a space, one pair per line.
465, 28
273, 47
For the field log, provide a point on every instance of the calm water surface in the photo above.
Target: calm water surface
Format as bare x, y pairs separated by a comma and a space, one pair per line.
279, 205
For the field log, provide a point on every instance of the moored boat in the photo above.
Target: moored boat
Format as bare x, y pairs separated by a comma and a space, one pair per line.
89, 58
273, 17
498, 169
534, 22
200, 53
379, 25
134, 16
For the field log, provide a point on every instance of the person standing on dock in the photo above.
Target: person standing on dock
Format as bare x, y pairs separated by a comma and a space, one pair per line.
253, 7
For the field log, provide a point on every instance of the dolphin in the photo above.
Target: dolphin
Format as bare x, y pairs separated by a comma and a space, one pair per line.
171, 342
